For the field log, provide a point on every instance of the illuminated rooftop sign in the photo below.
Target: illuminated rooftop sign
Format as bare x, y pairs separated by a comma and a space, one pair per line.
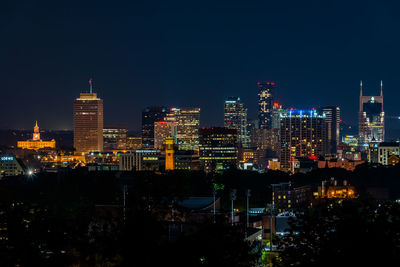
7, 158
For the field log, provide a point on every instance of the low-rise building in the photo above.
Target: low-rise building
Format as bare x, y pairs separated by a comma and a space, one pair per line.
142, 160
331, 189
343, 163
11, 166
36, 143
386, 150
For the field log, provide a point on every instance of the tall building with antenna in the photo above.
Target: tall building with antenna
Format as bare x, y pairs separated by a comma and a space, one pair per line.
371, 118
88, 122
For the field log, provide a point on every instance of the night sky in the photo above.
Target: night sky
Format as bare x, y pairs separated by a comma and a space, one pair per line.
193, 53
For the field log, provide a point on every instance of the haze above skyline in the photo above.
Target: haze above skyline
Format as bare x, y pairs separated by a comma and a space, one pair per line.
180, 53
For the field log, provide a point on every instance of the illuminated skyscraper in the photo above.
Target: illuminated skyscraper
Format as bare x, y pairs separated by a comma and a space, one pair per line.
188, 127
163, 130
303, 134
218, 149
333, 127
88, 122
265, 104
235, 117
371, 118
151, 115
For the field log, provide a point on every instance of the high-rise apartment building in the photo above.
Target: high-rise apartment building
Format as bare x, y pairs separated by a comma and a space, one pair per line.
218, 149
188, 127
332, 120
149, 116
371, 118
115, 138
265, 104
235, 117
88, 122
303, 134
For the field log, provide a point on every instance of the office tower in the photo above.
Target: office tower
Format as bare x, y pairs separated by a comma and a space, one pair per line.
218, 149
133, 143
149, 116
252, 125
333, 127
115, 138
273, 134
36, 143
265, 104
88, 122
371, 118
188, 127
303, 134
162, 130
169, 154
235, 117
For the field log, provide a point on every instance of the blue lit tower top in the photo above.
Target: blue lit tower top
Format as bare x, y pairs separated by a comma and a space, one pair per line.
265, 104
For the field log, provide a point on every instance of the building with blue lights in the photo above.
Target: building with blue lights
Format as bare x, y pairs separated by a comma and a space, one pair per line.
11, 166
303, 134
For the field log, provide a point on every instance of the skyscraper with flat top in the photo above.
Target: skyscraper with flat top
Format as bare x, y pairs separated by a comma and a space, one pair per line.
303, 134
332, 120
150, 115
371, 118
235, 117
88, 122
188, 127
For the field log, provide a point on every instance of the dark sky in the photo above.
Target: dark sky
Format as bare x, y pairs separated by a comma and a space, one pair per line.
193, 53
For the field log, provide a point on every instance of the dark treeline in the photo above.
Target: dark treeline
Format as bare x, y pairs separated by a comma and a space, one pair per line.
52, 219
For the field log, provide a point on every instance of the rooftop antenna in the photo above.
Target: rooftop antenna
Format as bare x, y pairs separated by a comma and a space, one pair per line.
91, 84
361, 94
381, 88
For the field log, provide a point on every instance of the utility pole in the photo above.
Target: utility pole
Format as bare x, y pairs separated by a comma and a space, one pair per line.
271, 217
233, 197
247, 210
124, 191
214, 195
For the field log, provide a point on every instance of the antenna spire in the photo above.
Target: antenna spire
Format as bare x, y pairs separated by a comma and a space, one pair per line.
91, 84
381, 88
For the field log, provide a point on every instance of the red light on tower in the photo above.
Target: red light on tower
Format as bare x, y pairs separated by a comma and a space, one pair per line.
268, 83
272, 83
276, 105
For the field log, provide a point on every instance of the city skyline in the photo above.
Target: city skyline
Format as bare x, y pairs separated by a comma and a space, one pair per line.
220, 122
136, 52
